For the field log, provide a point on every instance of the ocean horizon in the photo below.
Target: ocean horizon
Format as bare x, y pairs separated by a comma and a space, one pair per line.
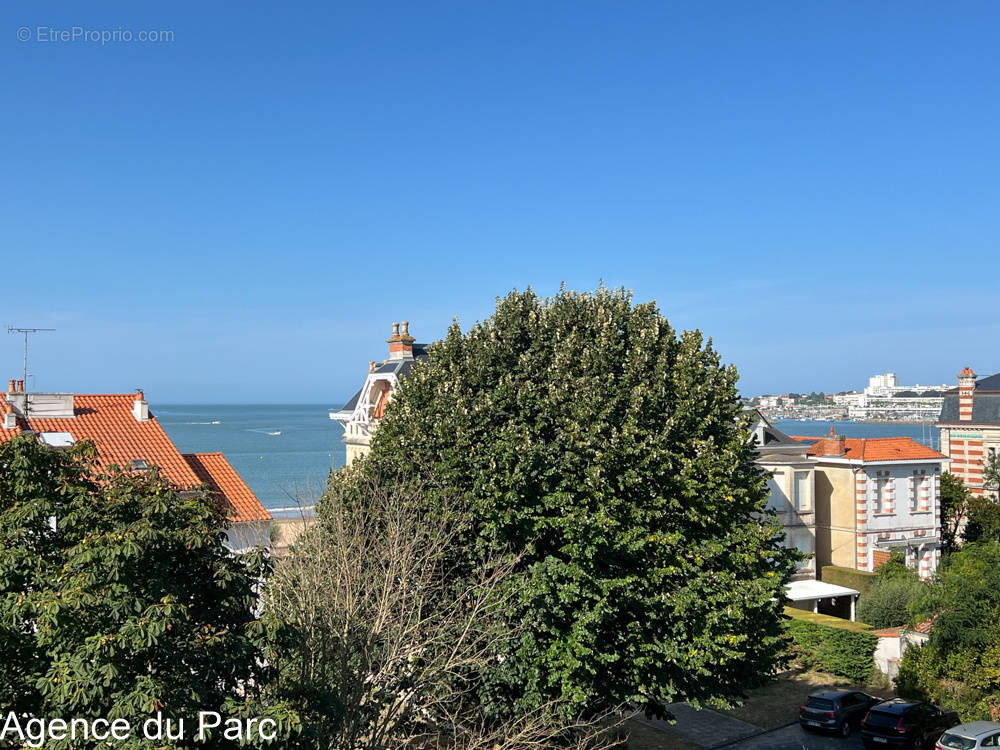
284, 452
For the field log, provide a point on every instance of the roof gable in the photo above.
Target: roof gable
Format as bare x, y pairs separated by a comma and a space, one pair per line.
120, 439
214, 470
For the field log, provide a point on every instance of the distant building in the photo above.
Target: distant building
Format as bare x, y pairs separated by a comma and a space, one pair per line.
884, 398
970, 426
882, 385
792, 489
361, 414
874, 495
126, 434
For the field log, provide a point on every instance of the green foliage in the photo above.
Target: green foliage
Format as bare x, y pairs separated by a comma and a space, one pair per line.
818, 618
895, 569
585, 435
859, 580
887, 603
983, 519
118, 599
991, 476
840, 649
960, 665
955, 498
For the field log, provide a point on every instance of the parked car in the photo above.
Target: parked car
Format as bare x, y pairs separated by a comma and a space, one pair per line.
905, 725
836, 710
970, 736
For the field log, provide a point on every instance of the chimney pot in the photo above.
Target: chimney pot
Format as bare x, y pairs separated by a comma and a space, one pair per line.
20, 385
139, 395
371, 366
395, 329
406, 328
11, 387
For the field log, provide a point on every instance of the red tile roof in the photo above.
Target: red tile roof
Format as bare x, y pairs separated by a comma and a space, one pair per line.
214, 470
873, 449
887, 633
107, 420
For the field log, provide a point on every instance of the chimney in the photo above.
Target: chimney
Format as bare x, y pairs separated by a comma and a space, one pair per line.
9, 420
140, 408
20, 386
401, 343
966, 389
11, 387
833, 445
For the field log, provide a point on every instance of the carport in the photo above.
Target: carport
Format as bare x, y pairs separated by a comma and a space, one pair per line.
806, 591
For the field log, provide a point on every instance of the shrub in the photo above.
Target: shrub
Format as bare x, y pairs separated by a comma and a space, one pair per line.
846, 650
849, 577
887, 603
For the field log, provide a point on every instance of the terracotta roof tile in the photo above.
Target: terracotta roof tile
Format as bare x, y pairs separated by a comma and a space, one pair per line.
214, 470
107, 420
887, 633
874, 449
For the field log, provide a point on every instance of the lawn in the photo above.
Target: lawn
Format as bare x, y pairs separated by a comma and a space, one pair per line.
778, 701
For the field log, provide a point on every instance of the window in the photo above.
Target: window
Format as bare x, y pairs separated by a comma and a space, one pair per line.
776, 486
803, 497
883, 486
139, 464
912, 490
881, 496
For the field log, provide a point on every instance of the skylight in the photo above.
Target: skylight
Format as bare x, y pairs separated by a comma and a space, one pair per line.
57, 439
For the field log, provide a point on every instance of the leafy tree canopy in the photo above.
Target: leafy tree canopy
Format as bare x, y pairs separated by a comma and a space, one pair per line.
983, 522
955, 498
610, 452
118, 599
960, 665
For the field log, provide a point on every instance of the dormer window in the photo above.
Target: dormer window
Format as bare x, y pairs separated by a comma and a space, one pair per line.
56, 439
139, 464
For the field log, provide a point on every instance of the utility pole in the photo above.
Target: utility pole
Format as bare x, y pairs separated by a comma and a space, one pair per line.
26, 331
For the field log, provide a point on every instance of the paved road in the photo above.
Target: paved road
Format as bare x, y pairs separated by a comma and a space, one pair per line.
795, 738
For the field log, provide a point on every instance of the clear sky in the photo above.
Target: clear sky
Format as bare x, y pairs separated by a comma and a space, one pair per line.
239, 214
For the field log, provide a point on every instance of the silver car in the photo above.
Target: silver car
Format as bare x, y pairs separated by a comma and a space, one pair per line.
970, 736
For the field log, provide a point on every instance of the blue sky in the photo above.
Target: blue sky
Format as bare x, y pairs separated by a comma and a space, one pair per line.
240, 214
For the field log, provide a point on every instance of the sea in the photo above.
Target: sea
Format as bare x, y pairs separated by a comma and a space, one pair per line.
286, 452
925, 434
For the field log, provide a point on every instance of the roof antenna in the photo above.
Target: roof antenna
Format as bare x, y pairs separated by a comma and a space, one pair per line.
26, 331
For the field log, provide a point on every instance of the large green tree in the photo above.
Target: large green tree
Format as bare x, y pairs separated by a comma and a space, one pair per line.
955, 500
610, 452
960, 665
118, 599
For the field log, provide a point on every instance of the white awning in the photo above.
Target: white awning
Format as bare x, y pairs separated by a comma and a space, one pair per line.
801, 591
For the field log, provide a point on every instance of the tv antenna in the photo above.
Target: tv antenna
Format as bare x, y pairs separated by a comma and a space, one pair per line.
26, 331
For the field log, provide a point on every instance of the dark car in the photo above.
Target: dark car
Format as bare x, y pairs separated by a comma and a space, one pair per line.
901, 724
836, 710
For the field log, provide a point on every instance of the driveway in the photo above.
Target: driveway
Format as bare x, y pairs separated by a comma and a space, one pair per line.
795, 738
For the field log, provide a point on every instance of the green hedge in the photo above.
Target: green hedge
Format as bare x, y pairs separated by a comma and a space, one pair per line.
832, 645
828, 620
859, 580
